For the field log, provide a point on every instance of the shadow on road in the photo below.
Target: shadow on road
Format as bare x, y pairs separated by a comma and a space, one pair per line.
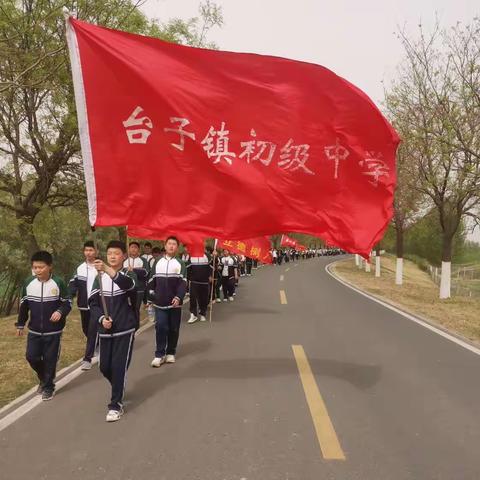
360, 376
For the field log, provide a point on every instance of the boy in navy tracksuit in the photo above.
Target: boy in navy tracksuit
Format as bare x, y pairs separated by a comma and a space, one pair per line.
168, 285
138, 265
45, 297
81, 286
199, 273
118, 324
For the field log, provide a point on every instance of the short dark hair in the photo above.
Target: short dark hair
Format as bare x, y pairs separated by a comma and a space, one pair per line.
42, 256
172, 238
156, 250
134, 243
117, 244
89, 244
147, 244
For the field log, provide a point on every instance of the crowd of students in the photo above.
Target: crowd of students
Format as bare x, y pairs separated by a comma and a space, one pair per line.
110, 296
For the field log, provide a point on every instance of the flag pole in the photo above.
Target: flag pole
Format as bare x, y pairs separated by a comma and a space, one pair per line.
99, 276
213, 279
127, 239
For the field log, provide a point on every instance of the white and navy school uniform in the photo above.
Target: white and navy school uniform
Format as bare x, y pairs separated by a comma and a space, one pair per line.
38, 302
228, 269
116, 344
80, 286
199, 272
140, 268
248, 266
167, 281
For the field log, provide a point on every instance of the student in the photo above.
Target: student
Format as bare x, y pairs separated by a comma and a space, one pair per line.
156, 254
45, 297
229, 274
117, 332
81, 286
199, 272
147, 252
248, 266
217, 275
139, 266
167, 282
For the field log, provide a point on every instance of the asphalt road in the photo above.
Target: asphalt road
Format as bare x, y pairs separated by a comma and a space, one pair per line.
395, 400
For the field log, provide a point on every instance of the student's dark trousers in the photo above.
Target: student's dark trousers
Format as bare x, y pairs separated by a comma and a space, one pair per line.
138, 303
228, 285
249, 268
199, 298
167, 329
90, 330
42, 355
115, 357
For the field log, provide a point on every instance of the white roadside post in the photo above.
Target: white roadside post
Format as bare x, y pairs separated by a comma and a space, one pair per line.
368, 266
445, 280
357, 259
377, 265
399, 272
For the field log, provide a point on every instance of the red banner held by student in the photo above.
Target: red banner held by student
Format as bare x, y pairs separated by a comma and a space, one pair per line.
287, 241
257, 248
225, 144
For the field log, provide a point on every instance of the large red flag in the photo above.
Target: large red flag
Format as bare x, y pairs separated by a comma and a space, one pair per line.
226, 144
258, 248
192, 241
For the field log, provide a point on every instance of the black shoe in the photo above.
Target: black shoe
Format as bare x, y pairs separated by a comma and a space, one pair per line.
39, 389
46, 395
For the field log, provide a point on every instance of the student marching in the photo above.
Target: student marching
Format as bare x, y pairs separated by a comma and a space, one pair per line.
109, 295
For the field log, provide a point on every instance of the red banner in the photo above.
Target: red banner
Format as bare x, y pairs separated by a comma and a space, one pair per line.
287, 241
172, 135
257, 248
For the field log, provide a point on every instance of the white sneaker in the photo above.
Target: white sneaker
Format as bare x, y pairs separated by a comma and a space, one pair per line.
157, 362
86, 365
231, 299
170, 359
218, 300
192, 318
114, 415
203, 318
225, 299
234, 294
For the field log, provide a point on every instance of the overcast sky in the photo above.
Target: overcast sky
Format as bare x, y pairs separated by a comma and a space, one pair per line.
356, 39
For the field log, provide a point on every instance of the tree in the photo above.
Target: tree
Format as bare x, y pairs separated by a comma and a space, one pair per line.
40, 165
436, 98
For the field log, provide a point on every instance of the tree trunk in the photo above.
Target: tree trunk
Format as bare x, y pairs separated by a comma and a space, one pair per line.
445, 279
25, 228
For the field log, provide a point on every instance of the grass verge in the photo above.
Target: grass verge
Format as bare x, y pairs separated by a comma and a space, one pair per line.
16, 376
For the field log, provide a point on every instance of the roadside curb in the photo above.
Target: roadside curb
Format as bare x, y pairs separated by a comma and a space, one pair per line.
424, 322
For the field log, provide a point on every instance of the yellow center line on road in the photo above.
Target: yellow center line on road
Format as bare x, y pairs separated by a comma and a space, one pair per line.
327, 438
282, 278
283, 297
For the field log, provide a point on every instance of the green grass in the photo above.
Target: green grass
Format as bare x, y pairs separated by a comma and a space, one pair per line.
16, 376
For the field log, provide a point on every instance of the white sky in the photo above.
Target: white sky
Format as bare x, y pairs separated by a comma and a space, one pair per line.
354, 38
